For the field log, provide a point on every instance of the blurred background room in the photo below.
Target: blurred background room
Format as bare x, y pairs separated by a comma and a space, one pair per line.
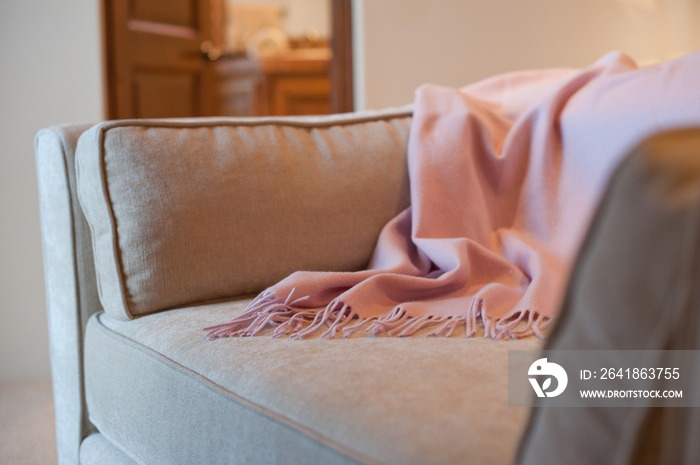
91, 60
220, 58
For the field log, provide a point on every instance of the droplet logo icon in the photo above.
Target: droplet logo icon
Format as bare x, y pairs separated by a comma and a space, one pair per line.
543, 367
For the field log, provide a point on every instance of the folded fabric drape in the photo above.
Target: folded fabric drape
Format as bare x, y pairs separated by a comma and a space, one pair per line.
505, 175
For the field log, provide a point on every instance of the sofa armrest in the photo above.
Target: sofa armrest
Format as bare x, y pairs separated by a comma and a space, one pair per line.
635, 286
185, 212
71, 292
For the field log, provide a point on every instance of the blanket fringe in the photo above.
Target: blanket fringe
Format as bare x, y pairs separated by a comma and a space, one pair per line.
288, 319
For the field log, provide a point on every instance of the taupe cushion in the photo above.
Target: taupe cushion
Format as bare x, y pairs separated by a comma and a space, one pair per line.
162, 393
186, 212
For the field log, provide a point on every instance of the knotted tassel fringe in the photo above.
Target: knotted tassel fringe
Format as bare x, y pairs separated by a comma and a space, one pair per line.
286, 318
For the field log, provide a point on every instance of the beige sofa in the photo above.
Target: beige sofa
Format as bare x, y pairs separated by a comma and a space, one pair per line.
181, 223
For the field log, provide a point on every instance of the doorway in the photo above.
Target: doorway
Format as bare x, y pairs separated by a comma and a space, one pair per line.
189, 58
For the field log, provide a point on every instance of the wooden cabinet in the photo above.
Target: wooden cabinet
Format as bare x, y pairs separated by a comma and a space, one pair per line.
293, 83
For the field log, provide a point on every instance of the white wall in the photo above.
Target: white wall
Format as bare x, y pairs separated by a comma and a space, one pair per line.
405, 43
50, 73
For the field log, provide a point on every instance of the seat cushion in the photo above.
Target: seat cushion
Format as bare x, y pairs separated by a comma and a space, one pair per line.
96, 450
161, 392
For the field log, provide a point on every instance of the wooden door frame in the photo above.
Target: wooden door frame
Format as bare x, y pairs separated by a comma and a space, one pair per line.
341, 72
109, 87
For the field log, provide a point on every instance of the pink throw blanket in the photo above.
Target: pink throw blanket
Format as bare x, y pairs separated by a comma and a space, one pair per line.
505, 175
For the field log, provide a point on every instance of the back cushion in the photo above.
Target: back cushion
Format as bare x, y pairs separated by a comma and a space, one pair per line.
189, 211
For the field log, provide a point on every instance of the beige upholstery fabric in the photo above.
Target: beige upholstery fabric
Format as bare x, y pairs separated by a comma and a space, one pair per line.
186, 212
96, 450
636, 285
158, 389
71, 293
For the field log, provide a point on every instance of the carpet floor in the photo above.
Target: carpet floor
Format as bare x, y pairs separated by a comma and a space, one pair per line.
27, 429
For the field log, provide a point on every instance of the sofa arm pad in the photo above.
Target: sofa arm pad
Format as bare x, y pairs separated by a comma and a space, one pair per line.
190, 211
635, 286
71, 296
